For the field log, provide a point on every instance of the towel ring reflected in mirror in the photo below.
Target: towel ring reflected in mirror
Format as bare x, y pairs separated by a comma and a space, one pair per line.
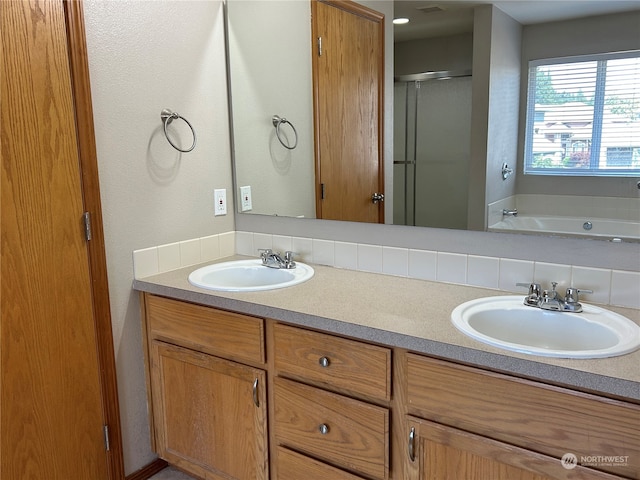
167, 116
277, 122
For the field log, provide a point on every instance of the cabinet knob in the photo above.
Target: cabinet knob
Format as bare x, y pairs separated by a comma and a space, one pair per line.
324, 429
324, 362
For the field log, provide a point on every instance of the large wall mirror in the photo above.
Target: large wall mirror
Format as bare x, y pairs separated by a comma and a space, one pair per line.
457, 111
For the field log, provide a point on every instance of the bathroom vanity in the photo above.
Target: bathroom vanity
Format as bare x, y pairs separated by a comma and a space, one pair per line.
343, 377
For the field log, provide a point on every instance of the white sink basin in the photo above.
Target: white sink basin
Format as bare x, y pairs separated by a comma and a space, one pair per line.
248, 276
506, 323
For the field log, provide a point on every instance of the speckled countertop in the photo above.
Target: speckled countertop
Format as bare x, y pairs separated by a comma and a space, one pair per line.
406, 313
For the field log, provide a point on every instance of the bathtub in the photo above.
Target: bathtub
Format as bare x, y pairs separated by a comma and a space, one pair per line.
604, 228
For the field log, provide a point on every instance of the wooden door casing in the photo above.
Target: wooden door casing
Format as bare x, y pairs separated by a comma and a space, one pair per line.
348, 76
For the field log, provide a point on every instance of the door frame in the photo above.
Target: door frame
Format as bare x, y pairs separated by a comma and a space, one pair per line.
81, 88
354, 8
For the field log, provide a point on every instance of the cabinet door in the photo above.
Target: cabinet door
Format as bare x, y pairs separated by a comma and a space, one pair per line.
438, 452
210, 414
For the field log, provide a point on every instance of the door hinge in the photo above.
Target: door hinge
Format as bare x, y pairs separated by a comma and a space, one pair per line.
87, 225
319, 46
322, 191
105, 430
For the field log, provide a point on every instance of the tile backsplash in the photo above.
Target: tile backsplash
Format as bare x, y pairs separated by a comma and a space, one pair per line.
610, 287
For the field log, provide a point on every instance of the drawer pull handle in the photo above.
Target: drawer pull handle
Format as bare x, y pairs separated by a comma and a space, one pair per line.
324, 429
412, 442
255, 393
324, 362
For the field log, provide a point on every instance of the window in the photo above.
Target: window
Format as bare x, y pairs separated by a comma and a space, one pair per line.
583, 116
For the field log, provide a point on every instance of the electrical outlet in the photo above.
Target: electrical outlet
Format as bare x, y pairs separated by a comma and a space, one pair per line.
220, 197
245, 199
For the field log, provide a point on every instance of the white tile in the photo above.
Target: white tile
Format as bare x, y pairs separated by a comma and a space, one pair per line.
395, 261
422, 264
625, 289
451, 268
596, 279
244, 243
323, 252
515, 271
227, 242
370, 258
545, 273
483, 271
190, 252
303, 247
346, 255
168, 257
145, 262
210, 248
282, 243
261, 241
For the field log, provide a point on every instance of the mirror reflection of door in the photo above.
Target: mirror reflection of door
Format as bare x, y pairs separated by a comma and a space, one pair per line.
348, 69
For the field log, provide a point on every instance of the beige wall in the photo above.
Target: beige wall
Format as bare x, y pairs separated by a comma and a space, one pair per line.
145, 56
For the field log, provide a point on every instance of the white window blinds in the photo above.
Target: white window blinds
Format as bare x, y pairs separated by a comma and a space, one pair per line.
583, 116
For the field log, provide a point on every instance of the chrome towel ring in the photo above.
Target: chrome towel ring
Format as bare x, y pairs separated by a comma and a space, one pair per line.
277, 121
167, 116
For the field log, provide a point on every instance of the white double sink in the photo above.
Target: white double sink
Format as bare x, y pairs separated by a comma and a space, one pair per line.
502, 321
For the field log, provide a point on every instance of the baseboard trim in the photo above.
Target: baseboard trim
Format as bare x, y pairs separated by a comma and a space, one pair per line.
148, 471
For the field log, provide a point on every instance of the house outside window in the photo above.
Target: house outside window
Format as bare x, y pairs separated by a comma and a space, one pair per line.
583, 116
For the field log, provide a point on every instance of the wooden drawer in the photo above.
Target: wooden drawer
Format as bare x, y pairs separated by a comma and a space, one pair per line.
547, 419
226, 334
352, 366
357, 438
292, 465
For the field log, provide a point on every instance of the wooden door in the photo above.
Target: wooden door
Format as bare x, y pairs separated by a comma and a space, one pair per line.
210, 414
52, 413
438, 452
348, 73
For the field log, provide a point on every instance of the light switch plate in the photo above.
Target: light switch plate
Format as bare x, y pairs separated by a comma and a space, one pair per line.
245, 199
220, 197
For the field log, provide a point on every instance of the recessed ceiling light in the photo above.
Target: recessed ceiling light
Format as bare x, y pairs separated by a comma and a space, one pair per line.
400, 21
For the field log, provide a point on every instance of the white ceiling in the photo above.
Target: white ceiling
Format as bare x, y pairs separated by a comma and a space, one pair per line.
455, 16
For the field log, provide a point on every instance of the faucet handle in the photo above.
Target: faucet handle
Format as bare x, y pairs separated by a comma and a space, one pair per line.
533, 296
571, 295
534, 288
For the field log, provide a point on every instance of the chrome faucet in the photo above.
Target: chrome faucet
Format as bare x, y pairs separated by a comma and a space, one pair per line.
273, 259
512, 212
550, 300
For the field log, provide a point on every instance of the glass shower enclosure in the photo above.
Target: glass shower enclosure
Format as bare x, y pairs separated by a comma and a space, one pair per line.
432, 137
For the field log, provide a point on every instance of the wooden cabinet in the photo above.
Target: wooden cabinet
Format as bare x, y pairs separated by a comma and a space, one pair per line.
209, 414
341, 427
439, 452
516, 417
239, 397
